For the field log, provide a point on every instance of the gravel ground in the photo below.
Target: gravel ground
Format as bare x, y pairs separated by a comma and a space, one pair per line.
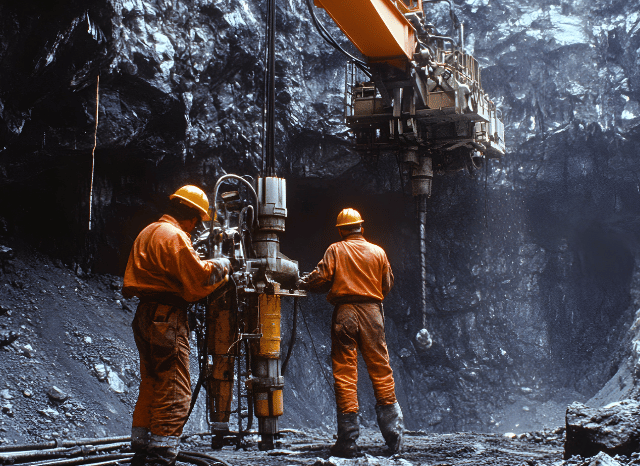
72, 373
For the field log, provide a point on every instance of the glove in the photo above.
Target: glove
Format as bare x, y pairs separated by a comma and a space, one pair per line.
222, 271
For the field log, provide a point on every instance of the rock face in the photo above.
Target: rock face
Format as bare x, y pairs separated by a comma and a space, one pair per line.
533, 277
612, 429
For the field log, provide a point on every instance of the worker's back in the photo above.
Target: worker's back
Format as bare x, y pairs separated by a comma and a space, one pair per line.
360, 271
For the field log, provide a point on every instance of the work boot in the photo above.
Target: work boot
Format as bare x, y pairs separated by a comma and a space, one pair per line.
140, 438
348, 433
391, 425
162, 451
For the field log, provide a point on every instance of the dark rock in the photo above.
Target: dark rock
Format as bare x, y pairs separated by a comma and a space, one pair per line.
613, 429
7, 339
57, 395
8, 409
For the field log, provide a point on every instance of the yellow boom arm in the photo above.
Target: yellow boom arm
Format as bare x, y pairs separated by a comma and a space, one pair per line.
376, 27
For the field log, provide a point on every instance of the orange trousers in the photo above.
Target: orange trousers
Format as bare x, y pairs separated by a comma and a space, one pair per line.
360, 325
162, 337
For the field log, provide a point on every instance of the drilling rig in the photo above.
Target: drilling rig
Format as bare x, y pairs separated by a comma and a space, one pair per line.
416, 95
239, 327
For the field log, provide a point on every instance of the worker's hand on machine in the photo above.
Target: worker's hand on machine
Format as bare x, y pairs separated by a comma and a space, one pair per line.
300, 283
223, 270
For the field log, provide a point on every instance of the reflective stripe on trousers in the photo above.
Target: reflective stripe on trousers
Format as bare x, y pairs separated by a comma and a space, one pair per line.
162, 337
360, 325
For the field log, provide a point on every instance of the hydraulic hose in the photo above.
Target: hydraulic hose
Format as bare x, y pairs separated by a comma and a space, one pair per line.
331, 41
313, 345
293, 335
217, 294
224, 178
454, 19
205, 456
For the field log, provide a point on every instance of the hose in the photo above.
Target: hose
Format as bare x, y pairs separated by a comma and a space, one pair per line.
217, 294
315, 352
224, 178
452, 15
206, 456
293, 336
331, 41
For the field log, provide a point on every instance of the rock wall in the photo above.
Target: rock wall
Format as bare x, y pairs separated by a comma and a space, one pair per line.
533, 275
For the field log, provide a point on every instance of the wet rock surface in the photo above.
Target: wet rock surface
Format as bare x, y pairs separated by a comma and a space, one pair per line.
612, 429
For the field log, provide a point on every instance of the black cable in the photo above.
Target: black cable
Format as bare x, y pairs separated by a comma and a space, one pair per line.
315, 352
452, 15
361, 64
486, 195
400, 172
292, 342
217, 294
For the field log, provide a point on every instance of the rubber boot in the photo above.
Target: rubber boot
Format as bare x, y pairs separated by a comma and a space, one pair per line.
140, 438
348, 433
391, 425
162, 451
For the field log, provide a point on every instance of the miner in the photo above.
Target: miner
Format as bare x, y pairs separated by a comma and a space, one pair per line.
358, 276
166, 273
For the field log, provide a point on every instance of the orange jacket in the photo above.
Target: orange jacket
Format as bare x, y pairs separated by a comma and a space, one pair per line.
355, 269
163, 260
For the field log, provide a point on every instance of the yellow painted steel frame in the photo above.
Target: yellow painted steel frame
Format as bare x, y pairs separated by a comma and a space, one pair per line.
376, 27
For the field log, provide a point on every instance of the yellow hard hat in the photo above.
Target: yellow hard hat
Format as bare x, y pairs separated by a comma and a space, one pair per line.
348, 217
194, 197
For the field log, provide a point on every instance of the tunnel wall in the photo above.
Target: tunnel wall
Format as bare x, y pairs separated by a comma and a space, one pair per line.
532, 269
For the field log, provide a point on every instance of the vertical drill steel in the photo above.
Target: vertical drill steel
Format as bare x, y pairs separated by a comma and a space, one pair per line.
422, 219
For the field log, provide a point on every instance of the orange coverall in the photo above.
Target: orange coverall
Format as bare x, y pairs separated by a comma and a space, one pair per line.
166, 273
360, 276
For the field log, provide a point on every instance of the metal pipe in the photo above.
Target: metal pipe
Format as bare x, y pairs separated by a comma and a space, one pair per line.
64, 443
106, 460
17, 457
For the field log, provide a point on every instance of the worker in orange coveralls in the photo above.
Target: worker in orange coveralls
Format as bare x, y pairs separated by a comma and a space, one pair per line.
358, 276
166, 273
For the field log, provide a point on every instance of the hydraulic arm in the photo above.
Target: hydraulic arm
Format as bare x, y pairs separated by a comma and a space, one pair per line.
416, 95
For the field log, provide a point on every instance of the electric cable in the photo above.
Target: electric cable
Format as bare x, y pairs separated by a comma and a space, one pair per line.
452, 15
361, 64
224, 178
93, 150
202, 358
206, 457
293, 336
315, 351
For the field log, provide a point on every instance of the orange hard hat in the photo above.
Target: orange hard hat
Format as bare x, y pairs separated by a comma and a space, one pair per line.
194, 197
348, 217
